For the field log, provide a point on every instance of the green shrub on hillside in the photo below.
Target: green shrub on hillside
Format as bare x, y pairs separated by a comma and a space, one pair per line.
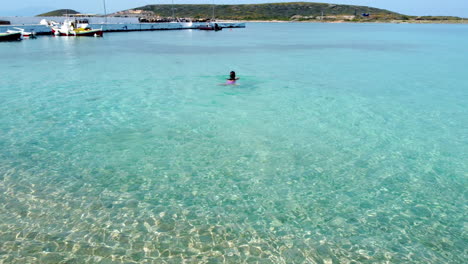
276, 11
60, 12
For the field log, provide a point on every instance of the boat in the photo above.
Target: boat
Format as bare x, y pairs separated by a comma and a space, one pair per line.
10, 36
210, 26
48, 23
24, 34
73, 28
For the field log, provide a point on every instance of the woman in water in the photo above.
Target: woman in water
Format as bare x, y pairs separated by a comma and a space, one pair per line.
232, 78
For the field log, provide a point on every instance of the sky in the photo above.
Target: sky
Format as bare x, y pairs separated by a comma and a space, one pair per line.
408, 7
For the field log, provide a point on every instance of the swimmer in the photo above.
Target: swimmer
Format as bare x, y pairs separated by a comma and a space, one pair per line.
232, 78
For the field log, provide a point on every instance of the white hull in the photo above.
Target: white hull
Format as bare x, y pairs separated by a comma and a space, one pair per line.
24, 34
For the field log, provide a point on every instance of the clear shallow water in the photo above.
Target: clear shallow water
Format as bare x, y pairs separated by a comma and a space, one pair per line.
343, 143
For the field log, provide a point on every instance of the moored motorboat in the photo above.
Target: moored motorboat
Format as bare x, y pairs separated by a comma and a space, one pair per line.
24, 34
84, 32
210, 26
73, 28
10, 36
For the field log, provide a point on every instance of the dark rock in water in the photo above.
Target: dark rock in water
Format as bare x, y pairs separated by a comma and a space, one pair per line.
421, 211
132, 204
52, 258
166, 225
103, 251
4, 22
96, 205
137, 256
293, 255
50, 247
74, 261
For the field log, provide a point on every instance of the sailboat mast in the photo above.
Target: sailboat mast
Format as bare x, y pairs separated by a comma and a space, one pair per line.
173, 13
213, 15
105, 11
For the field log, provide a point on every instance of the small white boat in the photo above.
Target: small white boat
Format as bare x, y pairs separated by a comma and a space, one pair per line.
10, 36
24, 34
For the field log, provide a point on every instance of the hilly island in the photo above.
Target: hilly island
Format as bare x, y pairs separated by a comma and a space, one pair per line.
290, 11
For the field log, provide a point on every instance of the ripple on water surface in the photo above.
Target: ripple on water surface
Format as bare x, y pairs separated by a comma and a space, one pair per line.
336, 147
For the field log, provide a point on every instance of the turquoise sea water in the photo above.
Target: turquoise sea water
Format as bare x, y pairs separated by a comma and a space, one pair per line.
343, 143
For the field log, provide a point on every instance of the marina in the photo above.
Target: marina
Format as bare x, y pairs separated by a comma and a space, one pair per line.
108, 24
